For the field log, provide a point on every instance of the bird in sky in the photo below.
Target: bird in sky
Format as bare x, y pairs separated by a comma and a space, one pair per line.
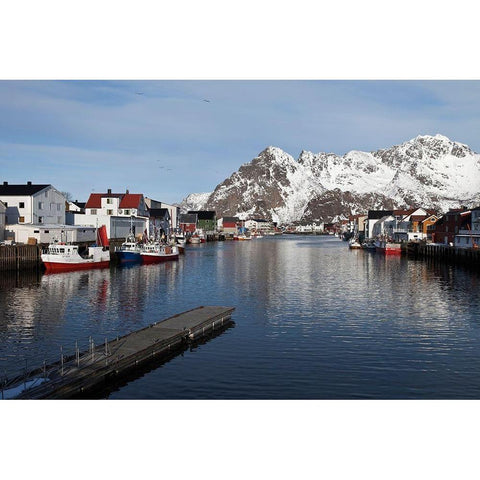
139, 93
205, 100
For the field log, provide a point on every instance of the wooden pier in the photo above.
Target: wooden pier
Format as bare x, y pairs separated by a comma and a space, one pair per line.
93, 369
447, 253
20, 257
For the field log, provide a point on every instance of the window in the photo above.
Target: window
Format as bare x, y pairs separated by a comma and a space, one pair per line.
126, 212
40, 219
59, 206
109, 200
46, 231
21, 205
93, 211
36, 231
21, 219
40, 205
46, 194
109, 212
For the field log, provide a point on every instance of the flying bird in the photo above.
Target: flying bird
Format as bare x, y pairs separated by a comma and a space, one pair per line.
139, 93
206, 100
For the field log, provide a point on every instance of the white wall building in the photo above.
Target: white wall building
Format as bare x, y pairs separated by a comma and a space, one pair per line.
119, 212
32, 204
258, 224
48, 233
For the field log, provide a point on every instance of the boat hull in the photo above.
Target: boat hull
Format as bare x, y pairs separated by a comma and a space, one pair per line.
55, 267
389, 248
128, 257
149, 258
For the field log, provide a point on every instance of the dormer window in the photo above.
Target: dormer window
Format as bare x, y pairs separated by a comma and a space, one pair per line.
109, 200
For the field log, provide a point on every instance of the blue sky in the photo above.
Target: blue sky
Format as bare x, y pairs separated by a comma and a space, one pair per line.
162, 139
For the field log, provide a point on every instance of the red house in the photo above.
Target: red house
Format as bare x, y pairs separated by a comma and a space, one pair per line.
445, 229
188, 222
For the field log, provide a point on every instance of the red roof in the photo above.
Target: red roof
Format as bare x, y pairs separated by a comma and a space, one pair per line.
128, 200
131, 200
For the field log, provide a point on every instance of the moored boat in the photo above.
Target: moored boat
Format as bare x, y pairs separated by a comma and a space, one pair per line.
388, 248
62, 257
156, 252
195, 239
354, 244
129, 251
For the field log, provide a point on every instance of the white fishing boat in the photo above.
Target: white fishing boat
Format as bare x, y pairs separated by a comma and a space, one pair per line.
155, 252
63, 256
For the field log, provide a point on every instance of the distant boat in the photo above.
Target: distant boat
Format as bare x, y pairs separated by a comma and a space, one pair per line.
388, 248
156, 252
354, 244
369, 245
195, 239
241, 237
129, 251
62, 256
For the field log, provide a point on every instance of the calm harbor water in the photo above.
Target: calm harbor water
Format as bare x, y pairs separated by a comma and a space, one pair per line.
313, 320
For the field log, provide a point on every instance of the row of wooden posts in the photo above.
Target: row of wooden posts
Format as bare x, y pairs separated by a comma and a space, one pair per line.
465, 256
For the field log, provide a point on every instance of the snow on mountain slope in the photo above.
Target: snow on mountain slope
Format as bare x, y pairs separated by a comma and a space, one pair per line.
431, 171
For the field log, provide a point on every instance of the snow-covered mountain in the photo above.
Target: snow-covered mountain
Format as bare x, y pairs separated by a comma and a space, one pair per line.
429, 171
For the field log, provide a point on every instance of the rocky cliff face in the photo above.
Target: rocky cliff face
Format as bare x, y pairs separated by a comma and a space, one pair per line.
429, 171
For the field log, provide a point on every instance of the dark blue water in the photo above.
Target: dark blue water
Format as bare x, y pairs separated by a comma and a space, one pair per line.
313, 320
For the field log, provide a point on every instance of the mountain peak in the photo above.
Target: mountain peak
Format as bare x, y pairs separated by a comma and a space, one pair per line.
428, 170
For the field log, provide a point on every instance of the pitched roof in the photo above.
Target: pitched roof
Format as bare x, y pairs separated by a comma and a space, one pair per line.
131, 200
21, 189
204, 214
418, 218
95, 199
127, 200
376, 214
159, 212
187, 218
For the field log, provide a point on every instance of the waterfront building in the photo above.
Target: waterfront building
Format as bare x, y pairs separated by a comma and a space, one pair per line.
228, 225
373, 217
173, 210
48, 233
159, 221
469, 237
33, 204
188, 222
3, 209
449, 225
74, 209
119, 212
357, 223
259, 225
206, 219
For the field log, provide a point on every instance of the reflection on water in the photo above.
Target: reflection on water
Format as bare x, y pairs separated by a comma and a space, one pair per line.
313, 319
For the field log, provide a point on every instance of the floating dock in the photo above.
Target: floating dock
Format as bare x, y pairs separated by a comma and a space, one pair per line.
95, 368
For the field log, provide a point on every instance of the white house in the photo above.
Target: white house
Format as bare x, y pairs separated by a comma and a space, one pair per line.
258, 225
34, 204
119, 212
470, 238
3, 208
